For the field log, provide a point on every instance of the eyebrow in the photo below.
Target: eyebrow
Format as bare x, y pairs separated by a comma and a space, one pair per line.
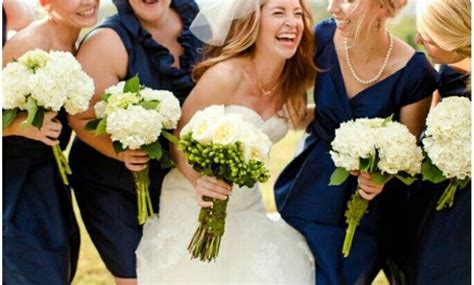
281, 8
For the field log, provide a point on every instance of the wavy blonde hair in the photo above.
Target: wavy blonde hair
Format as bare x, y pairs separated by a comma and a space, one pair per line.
298, 73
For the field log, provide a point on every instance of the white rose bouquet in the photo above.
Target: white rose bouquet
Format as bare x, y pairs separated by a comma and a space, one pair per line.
447, 144
224, 146
380, 147
135, 117
39, 82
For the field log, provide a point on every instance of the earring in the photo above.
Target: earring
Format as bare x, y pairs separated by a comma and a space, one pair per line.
379, 24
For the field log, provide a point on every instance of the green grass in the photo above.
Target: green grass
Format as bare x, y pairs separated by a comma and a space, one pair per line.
91, 269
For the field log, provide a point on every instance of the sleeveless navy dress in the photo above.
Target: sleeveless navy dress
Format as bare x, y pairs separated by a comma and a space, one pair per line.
442, 250
104, 187
302, 194
40, 233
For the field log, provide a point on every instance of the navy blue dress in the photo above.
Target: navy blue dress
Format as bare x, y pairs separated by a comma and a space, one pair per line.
40, 233
442, 251
302, 194
104, 187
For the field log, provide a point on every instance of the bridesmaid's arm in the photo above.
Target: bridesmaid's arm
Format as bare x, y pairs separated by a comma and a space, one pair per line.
436, 99
104, 58
414, 115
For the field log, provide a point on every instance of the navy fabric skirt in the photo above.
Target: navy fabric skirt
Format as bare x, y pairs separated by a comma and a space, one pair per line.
40, 233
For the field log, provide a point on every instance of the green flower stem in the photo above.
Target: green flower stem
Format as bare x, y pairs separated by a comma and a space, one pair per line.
447, 199
142, 183
205, 243
356, 208
62, 163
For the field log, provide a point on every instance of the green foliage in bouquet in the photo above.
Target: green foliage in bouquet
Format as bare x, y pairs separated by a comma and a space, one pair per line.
225, 163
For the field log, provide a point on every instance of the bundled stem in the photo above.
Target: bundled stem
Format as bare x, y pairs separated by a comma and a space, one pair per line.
145, 207
447, 199
206, 241
62, 163
355, 211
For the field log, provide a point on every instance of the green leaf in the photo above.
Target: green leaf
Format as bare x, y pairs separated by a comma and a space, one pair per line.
8, 116
407, 180
154, 150
39, 117
338, 176
132, 85
105, 97
100, 130
150, 105
169, 136
388, 119
92, 124
431, 172
31, 108
364, 164
378, 178
166, 161
463, 183
118, 148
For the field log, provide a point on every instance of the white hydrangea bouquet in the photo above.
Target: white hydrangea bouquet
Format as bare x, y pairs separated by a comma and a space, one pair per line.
447, 144
225, 146
380, 147
38, 82
135, 117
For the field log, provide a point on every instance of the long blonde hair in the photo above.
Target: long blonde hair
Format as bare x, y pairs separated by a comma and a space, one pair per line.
299, 71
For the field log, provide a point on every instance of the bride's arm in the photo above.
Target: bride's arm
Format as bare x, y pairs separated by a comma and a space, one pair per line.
215, 87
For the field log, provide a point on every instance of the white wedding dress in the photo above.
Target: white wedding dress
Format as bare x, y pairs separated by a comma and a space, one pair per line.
254, 248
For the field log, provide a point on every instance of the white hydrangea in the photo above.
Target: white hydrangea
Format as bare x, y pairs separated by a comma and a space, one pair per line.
99, 109
119, 101
169, 107
15, 89
448, 137
115, 89
353, 140
134, 127
34, 58
398, 150
47, 89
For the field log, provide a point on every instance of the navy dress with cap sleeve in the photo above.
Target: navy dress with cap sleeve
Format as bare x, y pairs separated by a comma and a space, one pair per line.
104, 187
302, 194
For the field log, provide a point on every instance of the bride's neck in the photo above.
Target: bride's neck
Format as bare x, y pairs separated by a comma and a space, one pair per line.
268, 68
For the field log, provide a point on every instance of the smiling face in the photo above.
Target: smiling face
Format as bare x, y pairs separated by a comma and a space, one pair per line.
281, 27
75, 13
150, 10
351, 15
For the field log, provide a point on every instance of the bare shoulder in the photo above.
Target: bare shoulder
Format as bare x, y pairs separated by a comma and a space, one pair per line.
27, 39
103, 49
227, 73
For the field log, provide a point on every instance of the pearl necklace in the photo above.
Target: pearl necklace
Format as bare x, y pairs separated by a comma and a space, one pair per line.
382, 69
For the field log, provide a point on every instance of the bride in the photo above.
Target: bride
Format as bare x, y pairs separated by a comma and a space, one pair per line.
259, 64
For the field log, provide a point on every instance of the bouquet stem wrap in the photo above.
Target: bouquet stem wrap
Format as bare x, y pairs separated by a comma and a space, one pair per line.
206, 241
62, 163
447, 199
145, 207
356, 208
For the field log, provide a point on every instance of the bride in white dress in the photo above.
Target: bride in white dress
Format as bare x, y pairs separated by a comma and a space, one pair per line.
260, 67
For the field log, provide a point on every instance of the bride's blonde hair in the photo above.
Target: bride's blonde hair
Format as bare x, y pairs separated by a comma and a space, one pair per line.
299, 72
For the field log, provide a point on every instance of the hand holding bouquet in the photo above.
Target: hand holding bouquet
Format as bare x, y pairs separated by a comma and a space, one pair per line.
40, 82
380, 147
447, 144
135, 117
224, 146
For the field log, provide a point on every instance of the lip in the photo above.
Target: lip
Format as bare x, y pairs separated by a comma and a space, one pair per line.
150, 3
91, 12
341, 23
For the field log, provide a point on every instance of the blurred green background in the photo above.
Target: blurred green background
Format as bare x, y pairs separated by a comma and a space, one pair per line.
91, 270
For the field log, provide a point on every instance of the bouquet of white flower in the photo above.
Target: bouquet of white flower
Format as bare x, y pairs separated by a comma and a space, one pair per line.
135, 117
224, 146
378, 146
447, 144
39, 82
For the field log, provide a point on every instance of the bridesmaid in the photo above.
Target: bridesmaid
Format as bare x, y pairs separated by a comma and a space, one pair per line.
151, 39
442, 250
16, 15
367, 72
40, 233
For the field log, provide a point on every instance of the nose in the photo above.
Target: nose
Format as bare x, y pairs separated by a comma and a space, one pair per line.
333, 6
